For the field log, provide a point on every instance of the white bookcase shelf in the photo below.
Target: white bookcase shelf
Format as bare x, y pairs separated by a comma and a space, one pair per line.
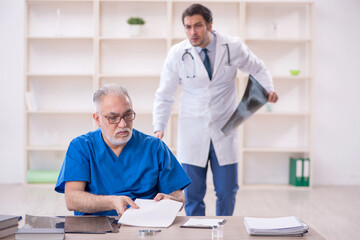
73, 47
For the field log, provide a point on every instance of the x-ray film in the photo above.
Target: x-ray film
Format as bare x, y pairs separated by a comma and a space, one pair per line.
255, 97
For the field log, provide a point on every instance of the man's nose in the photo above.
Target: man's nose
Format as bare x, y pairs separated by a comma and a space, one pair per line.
122, 123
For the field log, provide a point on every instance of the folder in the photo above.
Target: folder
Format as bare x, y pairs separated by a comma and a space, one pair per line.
299, 172
306, 172
254, 98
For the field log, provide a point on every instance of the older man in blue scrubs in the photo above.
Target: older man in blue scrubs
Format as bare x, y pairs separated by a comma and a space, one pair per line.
105, 170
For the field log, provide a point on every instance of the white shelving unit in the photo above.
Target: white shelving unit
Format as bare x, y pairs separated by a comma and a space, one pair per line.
280, 33
75, 46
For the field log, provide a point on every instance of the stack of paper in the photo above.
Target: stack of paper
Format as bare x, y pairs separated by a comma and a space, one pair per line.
275, 226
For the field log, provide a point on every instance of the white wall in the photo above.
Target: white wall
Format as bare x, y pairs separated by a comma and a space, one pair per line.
11, 93
336, 136
337, 93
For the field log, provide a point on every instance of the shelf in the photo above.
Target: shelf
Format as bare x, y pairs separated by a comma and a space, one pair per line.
275, 150
40, 112
59, 1
114, 16
282, 114
272, 187
60, 56
290, 77
128, 59
73, 47
280, 40
129, 75
41, 148
133, 38
60, 37
89, 75
60, 18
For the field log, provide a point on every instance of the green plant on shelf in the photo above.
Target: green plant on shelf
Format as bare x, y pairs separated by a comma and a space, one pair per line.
136, 21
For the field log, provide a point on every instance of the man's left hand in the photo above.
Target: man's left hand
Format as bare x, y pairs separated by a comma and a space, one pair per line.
161, 196
273, 97
177, 195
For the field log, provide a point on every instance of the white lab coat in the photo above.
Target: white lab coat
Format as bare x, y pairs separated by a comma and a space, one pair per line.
205, 105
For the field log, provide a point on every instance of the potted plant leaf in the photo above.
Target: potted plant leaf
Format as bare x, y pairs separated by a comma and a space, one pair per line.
135, 24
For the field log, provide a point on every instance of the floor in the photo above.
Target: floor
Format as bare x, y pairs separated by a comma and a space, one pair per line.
334, 212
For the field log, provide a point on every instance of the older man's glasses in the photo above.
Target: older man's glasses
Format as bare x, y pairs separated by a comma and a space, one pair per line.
116, 119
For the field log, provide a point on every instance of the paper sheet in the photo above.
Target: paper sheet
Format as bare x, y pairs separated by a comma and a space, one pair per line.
151, 213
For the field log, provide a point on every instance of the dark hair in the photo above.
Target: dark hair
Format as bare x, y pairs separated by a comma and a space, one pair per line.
198, 9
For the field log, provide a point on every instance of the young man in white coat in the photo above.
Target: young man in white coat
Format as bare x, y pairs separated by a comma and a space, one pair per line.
205, 65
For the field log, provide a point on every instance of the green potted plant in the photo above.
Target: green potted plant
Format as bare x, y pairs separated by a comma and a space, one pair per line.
135, 24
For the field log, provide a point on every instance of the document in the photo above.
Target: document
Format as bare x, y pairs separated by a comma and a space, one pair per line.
151, 213
203, 222
275, 226
255, 97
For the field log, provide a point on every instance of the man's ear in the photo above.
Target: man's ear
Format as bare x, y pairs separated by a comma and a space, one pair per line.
96, 118
209, 26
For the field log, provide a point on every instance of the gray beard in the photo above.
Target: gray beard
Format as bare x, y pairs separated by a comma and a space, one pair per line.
117, 142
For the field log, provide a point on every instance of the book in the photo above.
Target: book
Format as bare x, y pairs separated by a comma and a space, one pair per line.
40, 233
8, 221
8, 231
280, 226
10, 237
203, 222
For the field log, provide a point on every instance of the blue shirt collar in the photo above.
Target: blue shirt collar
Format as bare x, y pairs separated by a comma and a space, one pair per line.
212, 45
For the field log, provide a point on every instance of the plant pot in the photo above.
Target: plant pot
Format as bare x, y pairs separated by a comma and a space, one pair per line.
135, 30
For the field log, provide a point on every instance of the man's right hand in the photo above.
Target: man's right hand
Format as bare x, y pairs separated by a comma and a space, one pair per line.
120, 203
159, 134
77, 199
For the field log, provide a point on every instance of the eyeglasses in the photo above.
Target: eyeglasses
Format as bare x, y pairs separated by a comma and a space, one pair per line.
116, 119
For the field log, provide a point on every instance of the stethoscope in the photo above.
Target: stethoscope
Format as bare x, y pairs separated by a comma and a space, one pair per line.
193, 61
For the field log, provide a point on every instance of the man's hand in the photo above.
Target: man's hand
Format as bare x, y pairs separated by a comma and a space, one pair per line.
177, 195
159, 134
161, 196
78, 200
120, 203
273, 97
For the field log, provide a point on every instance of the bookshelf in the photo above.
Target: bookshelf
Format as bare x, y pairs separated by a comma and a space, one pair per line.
75, 46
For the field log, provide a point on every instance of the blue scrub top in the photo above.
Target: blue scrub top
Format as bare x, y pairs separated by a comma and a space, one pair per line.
144, 168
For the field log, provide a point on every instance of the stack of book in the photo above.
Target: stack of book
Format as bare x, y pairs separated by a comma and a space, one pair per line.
8, 226
282, 226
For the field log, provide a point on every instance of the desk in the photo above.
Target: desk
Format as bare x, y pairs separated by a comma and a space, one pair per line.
233, 229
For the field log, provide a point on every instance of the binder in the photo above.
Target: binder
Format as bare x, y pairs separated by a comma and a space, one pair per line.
306, 172
299, 172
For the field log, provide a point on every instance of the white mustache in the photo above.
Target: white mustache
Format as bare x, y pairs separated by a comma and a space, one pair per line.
123, 130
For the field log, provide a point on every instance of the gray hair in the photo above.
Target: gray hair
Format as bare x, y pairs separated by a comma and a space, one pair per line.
112, 89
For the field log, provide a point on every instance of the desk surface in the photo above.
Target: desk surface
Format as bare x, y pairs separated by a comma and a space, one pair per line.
233, 229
